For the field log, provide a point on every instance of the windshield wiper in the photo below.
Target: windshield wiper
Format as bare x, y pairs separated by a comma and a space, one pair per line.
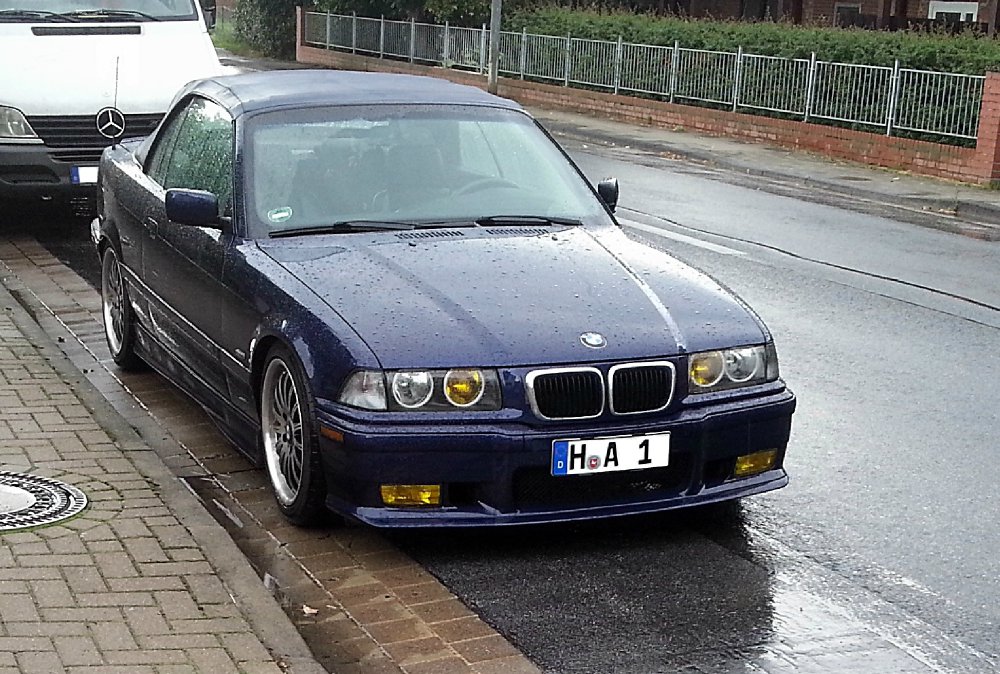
111, 13
344, 226
524, 221
33, 14
431, 224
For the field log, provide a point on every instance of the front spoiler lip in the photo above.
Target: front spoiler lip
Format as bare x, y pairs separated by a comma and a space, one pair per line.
399, 518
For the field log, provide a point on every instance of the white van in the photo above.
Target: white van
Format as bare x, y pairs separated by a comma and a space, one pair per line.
79, 75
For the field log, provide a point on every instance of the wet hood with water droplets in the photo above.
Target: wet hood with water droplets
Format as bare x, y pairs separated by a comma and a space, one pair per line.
510, 299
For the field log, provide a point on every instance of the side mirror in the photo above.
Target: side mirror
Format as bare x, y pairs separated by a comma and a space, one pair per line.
607, 189
193, 207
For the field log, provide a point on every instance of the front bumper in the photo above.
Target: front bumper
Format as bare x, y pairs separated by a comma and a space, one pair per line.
500, 474
31, 174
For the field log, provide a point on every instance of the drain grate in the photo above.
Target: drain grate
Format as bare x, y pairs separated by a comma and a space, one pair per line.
31, 501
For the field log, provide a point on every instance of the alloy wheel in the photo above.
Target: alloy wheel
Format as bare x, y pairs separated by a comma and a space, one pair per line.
112, 302
282, 428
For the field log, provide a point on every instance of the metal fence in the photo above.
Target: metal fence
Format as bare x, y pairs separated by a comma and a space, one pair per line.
890, 99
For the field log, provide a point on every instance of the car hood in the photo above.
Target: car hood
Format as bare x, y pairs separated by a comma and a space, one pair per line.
442, 298
135, 73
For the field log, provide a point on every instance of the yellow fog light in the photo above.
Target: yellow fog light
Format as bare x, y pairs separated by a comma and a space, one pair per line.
464, 388
707, 368
758, 462
411, 494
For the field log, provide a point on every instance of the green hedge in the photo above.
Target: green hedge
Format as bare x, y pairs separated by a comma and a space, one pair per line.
267, 26
468, 13
968, 53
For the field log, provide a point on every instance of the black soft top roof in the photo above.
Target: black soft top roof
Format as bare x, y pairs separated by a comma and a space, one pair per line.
253, 92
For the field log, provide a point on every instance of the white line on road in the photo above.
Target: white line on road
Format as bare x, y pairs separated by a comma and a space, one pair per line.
683, 238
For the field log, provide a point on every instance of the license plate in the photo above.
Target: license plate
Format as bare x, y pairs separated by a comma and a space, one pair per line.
83, 175
606, 455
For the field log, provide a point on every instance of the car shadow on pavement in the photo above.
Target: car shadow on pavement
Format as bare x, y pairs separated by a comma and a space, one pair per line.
723, 522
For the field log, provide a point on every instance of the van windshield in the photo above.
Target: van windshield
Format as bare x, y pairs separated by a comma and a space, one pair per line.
96, 10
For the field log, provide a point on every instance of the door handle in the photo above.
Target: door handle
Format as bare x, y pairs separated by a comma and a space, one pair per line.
151, 224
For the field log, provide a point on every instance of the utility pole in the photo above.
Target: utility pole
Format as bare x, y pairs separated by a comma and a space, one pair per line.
491, 83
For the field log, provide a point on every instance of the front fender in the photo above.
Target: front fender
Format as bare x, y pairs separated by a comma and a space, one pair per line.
325, 345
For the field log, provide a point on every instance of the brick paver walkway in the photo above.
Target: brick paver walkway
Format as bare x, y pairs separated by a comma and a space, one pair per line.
133, 583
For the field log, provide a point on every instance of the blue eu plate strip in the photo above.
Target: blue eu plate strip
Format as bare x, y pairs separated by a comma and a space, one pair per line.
560, 457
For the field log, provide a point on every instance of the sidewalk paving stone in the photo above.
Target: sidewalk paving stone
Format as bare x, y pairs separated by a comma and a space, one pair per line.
85, 594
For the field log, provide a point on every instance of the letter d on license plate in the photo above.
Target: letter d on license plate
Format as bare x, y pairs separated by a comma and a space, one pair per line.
605, 455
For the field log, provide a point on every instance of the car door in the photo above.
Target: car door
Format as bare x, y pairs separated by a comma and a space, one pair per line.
182, 264
139, 204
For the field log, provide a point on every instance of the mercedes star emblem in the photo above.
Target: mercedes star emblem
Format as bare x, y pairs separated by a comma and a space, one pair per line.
111, 123
594, 340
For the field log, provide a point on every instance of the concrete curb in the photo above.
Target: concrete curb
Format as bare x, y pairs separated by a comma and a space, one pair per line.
259, 608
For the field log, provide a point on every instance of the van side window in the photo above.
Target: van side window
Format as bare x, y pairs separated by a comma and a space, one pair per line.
202, 154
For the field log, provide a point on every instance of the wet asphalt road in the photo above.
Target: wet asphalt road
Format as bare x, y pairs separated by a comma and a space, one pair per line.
889, 335
882, 554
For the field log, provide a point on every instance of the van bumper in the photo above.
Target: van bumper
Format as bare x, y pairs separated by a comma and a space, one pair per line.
30, 176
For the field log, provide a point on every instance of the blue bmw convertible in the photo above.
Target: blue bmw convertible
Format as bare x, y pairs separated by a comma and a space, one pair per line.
402, 297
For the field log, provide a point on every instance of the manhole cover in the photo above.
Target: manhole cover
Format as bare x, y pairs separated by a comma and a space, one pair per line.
30, 501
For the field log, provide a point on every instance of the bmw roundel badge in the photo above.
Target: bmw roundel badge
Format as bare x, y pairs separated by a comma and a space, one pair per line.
594, 340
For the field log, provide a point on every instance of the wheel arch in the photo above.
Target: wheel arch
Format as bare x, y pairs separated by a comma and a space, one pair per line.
107, 235
262, 347
323, 358
261, 350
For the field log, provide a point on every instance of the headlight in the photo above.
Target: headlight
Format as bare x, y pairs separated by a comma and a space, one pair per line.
707, 368
13, 125
412, 389
742, 366
460, 389
364, 389
464, 388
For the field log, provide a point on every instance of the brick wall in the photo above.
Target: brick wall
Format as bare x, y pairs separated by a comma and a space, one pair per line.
716, 8
820, 12
977, 165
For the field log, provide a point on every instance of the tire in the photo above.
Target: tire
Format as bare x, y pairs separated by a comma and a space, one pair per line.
291, 450
119, 320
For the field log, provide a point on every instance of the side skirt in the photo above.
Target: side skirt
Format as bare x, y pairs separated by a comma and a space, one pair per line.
239, 429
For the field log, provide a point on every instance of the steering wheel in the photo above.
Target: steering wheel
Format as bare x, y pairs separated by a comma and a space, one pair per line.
484, 183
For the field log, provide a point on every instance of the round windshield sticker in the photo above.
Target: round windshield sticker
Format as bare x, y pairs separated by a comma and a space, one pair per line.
279, 214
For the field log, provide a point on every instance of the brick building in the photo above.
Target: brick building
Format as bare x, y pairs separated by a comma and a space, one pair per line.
889, 14
898, 13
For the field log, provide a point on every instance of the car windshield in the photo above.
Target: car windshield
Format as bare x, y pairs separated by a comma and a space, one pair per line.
421, 164
103, 10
